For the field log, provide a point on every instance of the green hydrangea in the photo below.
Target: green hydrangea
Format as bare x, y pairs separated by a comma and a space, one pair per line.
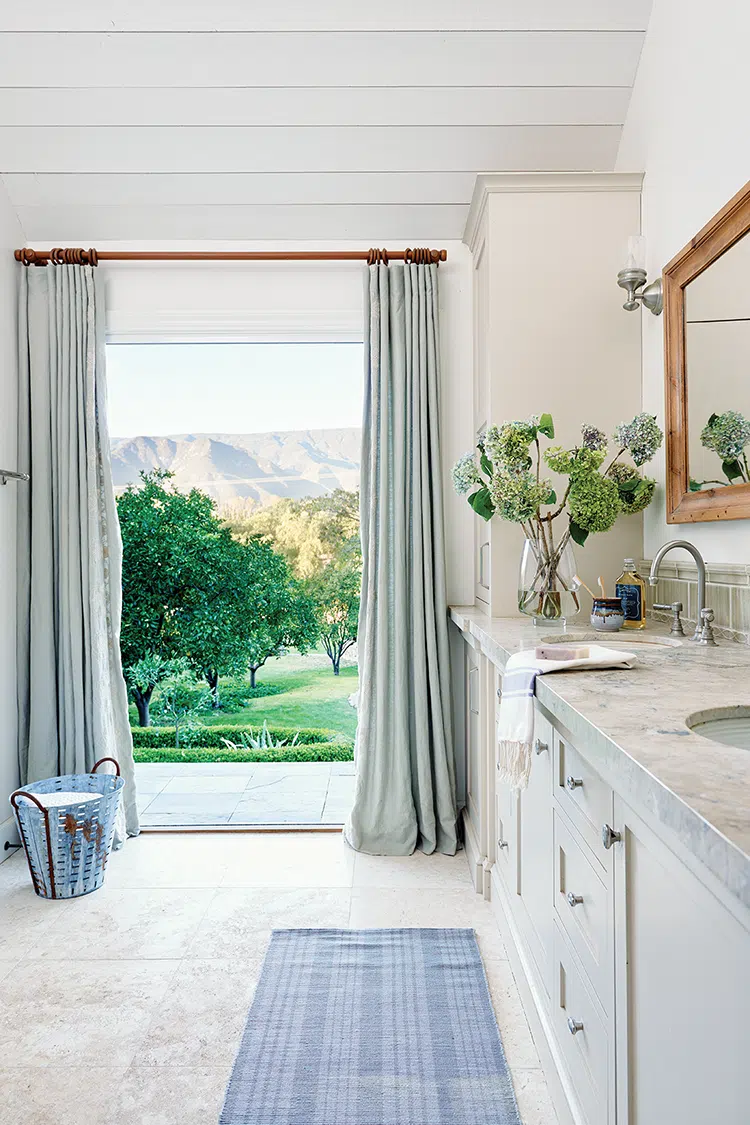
466, 474
641, 437
516, 494
574, 462
558, 459
594, 502
726, 434
637, 499
507, 446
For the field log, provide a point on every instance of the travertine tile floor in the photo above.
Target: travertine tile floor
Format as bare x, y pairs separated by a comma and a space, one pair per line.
126, 1007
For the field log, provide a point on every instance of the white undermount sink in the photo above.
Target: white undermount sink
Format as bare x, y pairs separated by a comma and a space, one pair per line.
728, 725
624, 639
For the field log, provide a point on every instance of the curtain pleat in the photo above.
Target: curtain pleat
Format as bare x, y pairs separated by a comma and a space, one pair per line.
72, 699
405, 783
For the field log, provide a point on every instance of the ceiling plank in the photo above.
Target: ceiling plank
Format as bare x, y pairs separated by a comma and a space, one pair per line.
444, 105
372, 225
450, 149
311, 59
224, 189
325, 15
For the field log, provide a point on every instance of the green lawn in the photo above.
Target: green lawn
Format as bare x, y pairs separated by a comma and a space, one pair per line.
314, 697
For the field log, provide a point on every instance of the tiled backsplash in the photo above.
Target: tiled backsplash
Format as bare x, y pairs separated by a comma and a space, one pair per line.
727, 594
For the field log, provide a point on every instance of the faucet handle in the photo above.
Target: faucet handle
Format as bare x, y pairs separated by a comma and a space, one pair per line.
675, 609
706, 634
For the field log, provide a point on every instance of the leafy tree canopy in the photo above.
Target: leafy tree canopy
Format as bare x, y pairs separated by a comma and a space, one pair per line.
309, 532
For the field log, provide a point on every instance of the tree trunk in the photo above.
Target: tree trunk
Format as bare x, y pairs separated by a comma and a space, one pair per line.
252, 676
212, 679
336, 661
142, 700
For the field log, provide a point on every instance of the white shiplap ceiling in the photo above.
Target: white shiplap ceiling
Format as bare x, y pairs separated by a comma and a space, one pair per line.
298, 119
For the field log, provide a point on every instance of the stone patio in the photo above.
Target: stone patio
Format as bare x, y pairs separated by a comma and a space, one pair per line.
194, 794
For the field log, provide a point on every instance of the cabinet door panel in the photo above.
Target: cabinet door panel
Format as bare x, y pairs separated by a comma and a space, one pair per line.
583, 796
683, 990
536, 848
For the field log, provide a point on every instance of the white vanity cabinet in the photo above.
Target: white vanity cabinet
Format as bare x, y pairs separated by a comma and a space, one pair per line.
633, 959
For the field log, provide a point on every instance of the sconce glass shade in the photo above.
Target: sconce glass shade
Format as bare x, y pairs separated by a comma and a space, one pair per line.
636, 257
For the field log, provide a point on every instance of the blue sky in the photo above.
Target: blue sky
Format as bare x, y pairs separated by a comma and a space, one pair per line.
159, 389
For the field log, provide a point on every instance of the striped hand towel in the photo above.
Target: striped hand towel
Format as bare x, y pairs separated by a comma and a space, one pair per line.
515, 722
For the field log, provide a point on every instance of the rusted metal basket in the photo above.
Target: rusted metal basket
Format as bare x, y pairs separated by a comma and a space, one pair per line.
67, 824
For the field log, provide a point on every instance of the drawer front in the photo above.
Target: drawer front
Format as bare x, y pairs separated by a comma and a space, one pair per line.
584, 908
582, 1033
584, 797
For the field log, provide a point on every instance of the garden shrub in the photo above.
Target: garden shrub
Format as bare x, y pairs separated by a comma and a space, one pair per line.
310, 752
211, 736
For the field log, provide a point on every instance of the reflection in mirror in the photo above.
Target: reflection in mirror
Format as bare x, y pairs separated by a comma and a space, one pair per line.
717, 361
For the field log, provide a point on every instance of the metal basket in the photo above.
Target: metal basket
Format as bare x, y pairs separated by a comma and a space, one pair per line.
67, 846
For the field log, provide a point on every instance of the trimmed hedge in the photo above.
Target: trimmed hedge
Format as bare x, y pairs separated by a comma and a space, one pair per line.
202, 737
312, 752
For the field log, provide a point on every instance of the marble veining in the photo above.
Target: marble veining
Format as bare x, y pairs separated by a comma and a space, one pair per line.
632, 726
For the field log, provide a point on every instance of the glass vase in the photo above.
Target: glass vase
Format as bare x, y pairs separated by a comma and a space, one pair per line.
547, 584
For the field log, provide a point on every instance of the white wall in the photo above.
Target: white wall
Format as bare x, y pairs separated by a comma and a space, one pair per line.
11, 237
303, 301
687, 128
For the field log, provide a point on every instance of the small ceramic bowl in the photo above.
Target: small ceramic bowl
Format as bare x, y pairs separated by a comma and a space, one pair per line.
607, 615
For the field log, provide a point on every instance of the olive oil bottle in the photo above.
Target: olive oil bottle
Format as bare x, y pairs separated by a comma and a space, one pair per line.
631, 589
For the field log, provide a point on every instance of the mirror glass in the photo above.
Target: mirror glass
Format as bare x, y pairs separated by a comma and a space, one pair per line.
717, 363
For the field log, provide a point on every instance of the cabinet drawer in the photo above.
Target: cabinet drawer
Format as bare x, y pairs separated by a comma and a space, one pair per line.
582, 1033
583, 796
583, 905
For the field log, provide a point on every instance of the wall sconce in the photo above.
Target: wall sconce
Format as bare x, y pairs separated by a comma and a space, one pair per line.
633, 279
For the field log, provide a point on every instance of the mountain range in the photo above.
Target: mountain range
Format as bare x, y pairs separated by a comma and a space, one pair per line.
246, 471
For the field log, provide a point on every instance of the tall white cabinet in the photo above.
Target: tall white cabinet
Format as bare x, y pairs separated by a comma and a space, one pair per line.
550, 334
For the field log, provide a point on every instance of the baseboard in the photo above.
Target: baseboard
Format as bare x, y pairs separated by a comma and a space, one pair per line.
531, 991
473, 854
9, 835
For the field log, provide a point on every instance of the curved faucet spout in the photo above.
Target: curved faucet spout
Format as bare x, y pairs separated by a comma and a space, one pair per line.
653, 577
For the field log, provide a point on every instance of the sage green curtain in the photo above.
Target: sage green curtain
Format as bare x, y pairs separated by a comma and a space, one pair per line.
72, 700
405, 779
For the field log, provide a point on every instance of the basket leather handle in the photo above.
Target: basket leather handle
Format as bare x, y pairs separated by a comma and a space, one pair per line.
114, 761
45, 813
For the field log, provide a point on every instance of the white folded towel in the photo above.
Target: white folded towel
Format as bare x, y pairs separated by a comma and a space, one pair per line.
515, 722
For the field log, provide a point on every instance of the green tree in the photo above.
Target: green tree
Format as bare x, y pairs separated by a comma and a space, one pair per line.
309, 532
179, 703
280, 612
143, 676
335, 589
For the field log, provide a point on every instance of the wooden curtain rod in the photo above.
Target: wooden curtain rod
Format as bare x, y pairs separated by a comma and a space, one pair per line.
77, 256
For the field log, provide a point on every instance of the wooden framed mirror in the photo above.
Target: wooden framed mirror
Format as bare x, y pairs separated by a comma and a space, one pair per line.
707, 370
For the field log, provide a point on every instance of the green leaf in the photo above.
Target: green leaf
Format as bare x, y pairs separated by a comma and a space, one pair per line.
695, 485
731, 469
551, 497
578, 534
629, 485
712, 419
482, 504
484, 463
546, 426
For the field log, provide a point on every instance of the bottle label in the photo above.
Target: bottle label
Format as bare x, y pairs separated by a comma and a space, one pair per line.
630, 597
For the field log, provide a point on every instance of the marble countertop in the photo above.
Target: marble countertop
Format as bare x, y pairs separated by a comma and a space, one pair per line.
632, 725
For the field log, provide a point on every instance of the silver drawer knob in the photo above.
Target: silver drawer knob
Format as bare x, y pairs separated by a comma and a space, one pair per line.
573, 900
574, 1026
502, 843
573, 782
540, 746
609, 836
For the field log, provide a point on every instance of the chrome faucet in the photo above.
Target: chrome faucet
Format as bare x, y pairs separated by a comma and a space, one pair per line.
704, 634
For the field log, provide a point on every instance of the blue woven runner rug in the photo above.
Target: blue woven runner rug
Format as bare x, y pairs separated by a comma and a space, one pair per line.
371, 1027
